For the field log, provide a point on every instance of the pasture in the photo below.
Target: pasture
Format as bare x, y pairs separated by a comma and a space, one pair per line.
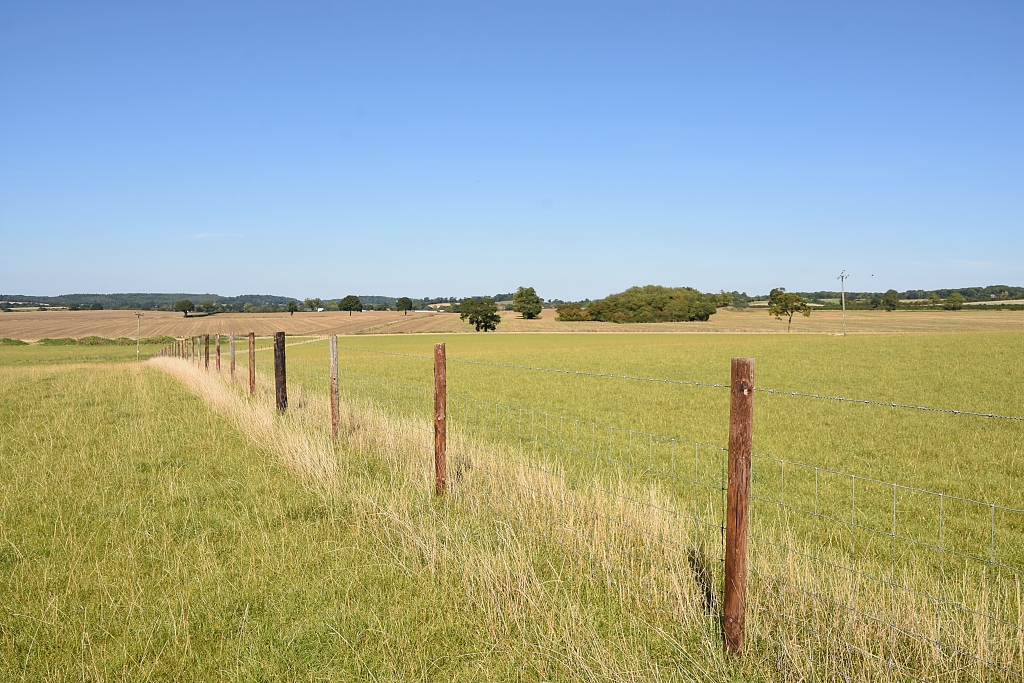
159, 522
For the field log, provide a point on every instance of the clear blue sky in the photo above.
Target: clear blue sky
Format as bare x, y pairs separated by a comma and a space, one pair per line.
444, 148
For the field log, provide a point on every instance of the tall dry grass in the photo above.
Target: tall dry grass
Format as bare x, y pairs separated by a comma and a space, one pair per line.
614, 581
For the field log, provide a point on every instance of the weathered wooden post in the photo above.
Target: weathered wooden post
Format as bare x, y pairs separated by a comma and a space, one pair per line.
440, 420
335, 409
279, 374
252, 363
231, 346
737, 510
206, 351
218, 354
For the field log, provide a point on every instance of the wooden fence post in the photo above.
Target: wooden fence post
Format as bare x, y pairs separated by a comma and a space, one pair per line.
440, 420
737, 511
335, 410
206, 351
252, 363
218, 353
231, 346
279, 374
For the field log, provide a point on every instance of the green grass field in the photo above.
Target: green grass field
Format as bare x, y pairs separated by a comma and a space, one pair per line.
144, 537
149, 533
957, 455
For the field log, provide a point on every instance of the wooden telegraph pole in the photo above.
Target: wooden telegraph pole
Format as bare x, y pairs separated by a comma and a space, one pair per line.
206, 351
440, 420
737, 511
218, 354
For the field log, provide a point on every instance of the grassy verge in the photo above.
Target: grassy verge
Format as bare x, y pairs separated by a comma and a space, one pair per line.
146, 537
33, 354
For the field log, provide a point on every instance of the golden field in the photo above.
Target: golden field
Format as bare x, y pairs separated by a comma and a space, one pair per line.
34, 325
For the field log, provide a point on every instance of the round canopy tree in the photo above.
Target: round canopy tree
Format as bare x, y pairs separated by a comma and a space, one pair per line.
404, 304
350, 303
184, 306
526, 301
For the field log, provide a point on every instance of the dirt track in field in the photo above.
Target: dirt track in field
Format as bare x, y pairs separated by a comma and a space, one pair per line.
34, 325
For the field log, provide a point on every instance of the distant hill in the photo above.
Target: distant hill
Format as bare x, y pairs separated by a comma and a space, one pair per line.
144, 301
990, 293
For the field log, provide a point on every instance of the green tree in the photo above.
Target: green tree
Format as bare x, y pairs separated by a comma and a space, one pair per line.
526, 301
208, 306
350, 303
723, 298
481, 313
380, 307
954, 302
653, 304
292, 307
783, 303
572, 312
933, 299
96, 307
313, 304
184, 306
891, 300
403, 304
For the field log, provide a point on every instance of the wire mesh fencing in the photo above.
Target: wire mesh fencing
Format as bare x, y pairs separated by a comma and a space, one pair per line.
850, 578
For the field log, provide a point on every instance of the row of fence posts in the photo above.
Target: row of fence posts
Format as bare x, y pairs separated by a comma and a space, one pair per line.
197, 350
741, 421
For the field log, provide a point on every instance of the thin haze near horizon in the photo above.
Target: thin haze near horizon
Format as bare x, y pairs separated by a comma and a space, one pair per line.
452, 149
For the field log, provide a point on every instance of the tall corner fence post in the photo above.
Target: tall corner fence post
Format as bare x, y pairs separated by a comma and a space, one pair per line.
231, 349
206, 351
440, 420
737, 510
280, 384
335, 409
218, 353
252, 363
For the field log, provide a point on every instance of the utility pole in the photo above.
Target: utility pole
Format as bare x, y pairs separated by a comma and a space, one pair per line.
842, 287
138, 336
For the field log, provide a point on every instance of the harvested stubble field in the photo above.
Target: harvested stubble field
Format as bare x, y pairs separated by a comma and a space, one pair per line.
34, 325
171, 527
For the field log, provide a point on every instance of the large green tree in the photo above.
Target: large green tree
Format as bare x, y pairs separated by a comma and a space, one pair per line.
313, 304
481, 313
785, 304
526, 301
654, 304
403, 304
350, 303
184, 306
572, 312
292, 307
891, 300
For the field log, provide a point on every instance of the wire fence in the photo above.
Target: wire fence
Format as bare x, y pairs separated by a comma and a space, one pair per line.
851, 578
